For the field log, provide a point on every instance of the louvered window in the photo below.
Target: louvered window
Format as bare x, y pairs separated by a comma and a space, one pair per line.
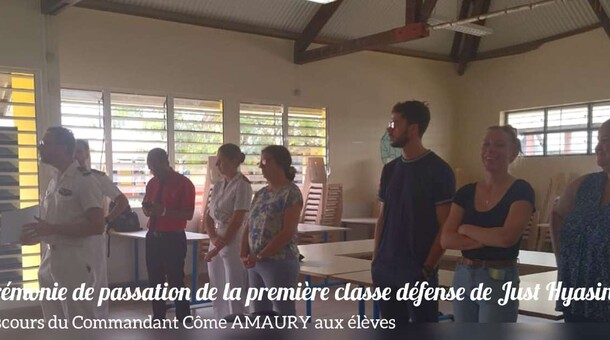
197, 135
306, 137
18, 172
190, 130
139, 124
259, 126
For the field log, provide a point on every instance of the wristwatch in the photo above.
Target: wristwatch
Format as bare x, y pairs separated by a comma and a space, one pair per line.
258, 257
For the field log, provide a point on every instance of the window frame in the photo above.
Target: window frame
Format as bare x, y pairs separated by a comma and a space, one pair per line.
545, 131
285, 126
169, 120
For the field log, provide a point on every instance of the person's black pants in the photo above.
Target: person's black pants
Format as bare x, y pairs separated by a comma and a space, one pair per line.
404, 312
165, 254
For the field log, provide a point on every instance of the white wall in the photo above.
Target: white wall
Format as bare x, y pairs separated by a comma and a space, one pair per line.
125, 53
29, 44
571, 70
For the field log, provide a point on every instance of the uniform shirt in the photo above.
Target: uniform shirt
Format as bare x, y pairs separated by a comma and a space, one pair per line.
178, 194
266, 219
67, 199
410, 190
108, 188
227, 197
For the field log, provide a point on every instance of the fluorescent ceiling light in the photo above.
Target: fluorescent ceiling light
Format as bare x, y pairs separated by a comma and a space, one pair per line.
322, 1
472, 29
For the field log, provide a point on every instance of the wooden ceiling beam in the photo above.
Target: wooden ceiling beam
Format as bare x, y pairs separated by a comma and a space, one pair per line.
315, 25
597, 7
459, 36
54, 7
471, 43
393, 36
531, 45
412, 12
144, 12
426, 10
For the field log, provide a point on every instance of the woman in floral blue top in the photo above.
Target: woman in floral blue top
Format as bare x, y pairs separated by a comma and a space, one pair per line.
269, 246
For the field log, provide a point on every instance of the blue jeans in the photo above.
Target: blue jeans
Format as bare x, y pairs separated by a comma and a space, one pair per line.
470, 277
274, 273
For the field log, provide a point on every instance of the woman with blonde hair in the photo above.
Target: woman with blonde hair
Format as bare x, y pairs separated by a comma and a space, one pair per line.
486, 221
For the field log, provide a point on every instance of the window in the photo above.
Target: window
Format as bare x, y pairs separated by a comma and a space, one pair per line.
19, 172
83, 113
306, 136
197, 136
564, 130
139, 124
301, 130
189, 129
259, 126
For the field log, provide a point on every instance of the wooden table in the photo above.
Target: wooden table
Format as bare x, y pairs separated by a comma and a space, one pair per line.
350, 262
194, 239
360, 220
541, 308
306, 228
368, 222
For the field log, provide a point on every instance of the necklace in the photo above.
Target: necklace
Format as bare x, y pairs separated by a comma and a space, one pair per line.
487, 191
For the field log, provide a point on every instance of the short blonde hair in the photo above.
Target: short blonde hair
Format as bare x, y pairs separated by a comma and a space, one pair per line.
512, 134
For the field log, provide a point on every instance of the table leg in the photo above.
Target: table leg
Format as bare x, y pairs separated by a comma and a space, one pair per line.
194, 272
308, 302
136, 256
361, 307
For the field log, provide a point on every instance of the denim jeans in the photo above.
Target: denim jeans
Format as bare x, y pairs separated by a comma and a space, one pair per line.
274, 273
470, 277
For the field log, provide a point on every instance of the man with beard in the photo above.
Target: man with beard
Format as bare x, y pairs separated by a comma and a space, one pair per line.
415, 192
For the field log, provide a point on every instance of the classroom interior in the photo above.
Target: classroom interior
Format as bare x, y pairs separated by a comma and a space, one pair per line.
110, 53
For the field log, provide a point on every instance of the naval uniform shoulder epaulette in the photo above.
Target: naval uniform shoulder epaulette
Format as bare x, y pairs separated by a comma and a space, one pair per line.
84, 171
97, 172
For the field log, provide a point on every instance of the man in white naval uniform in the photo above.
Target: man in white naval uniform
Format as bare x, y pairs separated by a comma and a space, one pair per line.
71, 228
